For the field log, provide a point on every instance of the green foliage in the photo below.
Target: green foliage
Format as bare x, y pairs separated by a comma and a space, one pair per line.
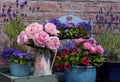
22, 61
76, 59
111, 44
13, 29
74, 32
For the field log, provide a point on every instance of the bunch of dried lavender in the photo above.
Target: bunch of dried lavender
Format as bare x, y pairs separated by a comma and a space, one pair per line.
107, 21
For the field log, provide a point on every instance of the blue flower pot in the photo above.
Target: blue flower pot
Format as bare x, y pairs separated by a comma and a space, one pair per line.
20, 70
110, 72
81, 74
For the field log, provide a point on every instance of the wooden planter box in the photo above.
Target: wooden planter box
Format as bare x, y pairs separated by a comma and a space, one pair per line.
6, 77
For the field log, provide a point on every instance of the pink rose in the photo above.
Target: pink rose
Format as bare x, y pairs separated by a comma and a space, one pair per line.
79, 41
33, 28
92, 50
87, 45
92, 40
40, 39
53, 43
51, 29
99, 49
22, 38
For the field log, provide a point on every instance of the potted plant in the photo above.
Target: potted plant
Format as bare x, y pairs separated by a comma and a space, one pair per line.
71, 30
14, 21
109, 71
20, 63
81, 60
43, 38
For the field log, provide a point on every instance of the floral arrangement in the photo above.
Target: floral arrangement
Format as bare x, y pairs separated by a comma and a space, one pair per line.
40, 36
71, 30
16, 56
86, 53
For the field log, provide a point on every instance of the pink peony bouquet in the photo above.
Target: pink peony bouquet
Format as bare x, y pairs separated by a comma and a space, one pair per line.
85, 53
40, 36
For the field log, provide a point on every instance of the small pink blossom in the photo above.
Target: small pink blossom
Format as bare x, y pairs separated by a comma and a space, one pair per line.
40, 39
99, 49
33, 28
22, 38
92, 50
51, 29
53, 43
79, 41
87, 45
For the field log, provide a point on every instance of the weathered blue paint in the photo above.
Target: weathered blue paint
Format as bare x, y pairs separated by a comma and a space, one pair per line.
6, 77
81, 74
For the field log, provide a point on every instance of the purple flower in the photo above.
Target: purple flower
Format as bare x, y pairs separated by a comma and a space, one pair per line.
3, 15
22, 15
66, 30
30, 8
5, 19
4, 6
97, 17
15, 53
69, 25
9, 10
38, 8
106, 54
7, 53
21, 6
3, 10
14, 14
9, 15
56, 22
17, 1
25, 2
84, 25
27, 56
17, 4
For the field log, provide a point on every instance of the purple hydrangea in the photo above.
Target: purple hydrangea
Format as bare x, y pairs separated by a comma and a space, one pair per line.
67, 44
59, 25
8, 53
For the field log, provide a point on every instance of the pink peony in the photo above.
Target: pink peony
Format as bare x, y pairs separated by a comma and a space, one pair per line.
33, 28
92, 50
79, 41
22, 38
51, 29
53, 43
99, 49
87, 45
40, 39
